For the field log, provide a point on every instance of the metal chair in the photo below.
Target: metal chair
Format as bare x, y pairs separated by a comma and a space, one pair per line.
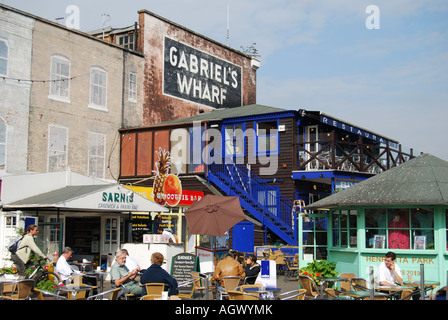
309, 285
22, 290
229, 283
45, 295
188, 295
113, 295
240, 295
291, 270
150, 297
359, 284
406, 294
154, 288
299, 294
346, 285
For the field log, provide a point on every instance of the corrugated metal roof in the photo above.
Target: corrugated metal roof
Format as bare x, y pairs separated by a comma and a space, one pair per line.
52, 198
220, 114
420, 181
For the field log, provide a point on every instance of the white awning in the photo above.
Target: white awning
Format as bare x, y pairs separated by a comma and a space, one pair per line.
70, 191
113, 197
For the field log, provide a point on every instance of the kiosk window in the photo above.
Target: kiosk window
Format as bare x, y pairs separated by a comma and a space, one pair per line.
314, 238
345, 228
446, 222
400, 228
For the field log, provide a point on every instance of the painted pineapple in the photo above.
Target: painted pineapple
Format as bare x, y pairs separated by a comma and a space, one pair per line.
163, 169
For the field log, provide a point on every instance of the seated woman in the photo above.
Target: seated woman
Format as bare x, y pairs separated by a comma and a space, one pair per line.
155, 274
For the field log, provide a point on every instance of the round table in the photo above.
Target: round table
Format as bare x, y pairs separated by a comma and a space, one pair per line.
73, 289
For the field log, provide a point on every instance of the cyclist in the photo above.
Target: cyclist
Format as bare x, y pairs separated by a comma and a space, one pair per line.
22, 256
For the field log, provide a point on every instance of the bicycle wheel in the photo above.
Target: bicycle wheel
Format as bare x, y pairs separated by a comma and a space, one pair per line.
47, 275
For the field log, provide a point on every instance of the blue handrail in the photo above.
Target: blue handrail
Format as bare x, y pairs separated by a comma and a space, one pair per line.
275, 209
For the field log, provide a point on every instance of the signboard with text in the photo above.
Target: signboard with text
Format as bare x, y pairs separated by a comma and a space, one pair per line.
199, 77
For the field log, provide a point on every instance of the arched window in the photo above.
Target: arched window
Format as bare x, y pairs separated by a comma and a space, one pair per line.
98, 88
60, 78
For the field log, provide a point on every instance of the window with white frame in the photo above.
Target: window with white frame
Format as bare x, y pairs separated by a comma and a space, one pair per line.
3, 57
98, 88
60, 78
2, 143
132, 87
126, 41
10, 222
57, 148
97, 151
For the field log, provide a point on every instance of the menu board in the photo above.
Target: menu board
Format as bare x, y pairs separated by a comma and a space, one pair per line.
141, 225
182, 265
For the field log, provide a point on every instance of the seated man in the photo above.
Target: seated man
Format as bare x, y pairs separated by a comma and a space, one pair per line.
155, 274
389, 273
63, 268
252, 269
121, 276
228, 267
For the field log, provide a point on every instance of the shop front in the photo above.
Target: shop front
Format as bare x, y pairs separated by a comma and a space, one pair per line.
172, 219
403, 210
93, 217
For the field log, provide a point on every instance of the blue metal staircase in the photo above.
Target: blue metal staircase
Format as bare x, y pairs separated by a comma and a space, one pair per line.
261, 200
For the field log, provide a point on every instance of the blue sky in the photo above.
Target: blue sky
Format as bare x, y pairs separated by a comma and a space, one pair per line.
319, 55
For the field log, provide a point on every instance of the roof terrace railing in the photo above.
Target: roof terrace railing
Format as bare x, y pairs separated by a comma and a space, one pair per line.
332, 154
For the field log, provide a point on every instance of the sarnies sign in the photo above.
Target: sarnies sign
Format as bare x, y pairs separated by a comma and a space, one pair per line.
196, 76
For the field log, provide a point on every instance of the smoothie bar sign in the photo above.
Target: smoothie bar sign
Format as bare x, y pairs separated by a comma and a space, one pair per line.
196, 76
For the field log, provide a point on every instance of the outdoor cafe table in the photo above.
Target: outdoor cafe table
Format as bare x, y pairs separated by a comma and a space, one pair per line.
323, 282
74, 289
266, 293
394, 291
99, 275
363, 294
429, 285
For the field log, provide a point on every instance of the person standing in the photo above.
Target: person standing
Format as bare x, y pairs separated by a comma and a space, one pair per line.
22, 256
389, 273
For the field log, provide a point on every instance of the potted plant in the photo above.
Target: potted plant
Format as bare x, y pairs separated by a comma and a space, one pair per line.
319, 269
47, 285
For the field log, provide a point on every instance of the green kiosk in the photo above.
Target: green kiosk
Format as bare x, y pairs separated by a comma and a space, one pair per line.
404, 210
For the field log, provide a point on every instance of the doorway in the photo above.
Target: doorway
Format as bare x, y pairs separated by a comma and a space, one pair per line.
83, 236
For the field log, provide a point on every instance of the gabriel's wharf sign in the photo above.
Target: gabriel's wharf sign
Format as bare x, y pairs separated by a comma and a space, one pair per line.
196, 76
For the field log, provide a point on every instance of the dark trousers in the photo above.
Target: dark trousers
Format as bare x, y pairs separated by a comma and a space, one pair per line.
19, 264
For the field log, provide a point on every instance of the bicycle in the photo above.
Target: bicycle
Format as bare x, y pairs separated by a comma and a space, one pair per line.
40, 274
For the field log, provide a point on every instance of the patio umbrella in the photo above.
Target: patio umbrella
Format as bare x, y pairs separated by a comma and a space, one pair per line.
214, 215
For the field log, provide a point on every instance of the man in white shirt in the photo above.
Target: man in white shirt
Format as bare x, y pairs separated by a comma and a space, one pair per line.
131, 263
168, 233
389, 273
63, 268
